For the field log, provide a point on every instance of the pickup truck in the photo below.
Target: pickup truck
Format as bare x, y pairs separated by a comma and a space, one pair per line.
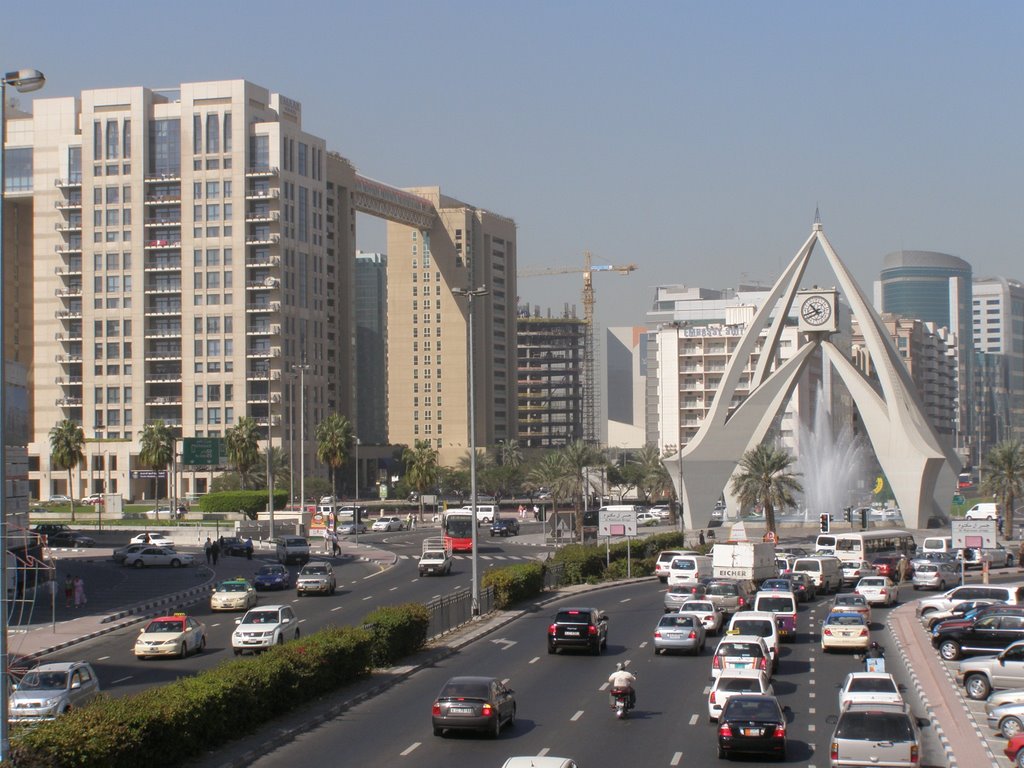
436, 558
505, 526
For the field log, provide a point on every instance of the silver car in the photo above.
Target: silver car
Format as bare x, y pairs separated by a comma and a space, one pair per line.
681, 632
1008, 719
49, 690
930, 575
316, 577
876, 734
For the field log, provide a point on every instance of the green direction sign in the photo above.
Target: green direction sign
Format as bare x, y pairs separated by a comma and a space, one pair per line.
959, 500
203, 452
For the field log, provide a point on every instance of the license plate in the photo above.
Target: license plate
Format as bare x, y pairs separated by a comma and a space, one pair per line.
673, 635
460, 710
741, 665
751, 731
571, 633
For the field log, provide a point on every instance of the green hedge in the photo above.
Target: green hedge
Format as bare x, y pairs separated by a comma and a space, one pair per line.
397, 631
514, 583
250, 503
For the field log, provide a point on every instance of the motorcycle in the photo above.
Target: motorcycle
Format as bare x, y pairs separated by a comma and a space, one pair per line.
874, 658
622, 702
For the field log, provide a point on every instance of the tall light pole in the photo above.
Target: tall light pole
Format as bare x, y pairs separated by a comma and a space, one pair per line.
23, 81
472, 294
355, 512
270, 477
302, 436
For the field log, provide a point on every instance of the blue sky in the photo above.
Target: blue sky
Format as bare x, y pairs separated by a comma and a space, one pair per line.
693, 139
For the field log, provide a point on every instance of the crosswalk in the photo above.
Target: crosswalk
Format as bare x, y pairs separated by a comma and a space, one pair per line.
516, 558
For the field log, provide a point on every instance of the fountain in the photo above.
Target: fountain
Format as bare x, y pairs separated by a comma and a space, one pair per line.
830, 465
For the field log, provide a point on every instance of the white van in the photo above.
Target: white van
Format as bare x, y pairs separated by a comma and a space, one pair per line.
985, 510
825, 572
485, 513
938, 544
689, 569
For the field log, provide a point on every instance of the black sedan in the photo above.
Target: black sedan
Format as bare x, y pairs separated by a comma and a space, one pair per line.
232, 545
505, 526
753, 725
70, 539
473, 704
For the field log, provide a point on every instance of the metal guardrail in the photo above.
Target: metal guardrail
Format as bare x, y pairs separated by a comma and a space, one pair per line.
553, 574
452, 611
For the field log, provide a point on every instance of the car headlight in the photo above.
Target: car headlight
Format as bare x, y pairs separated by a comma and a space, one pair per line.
51, 703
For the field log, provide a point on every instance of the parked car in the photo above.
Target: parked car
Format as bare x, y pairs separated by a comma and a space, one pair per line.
997, 557
93, 498
1008, 696
505, 526
264, 627
157, 539
316, 577
869, 688
393, 523
233, 595
1014, 750
878, 590
176, 635
983, 674
647, 518
1008, 719
876, 734
47, 691
70, 539
272, 577
579, 628
59, 498
964, 611
845, 631
473, 703
734, 682
752, 724
150, 556
1012, 594
663, 511
741, 652
682, 632
709, 615
936, 575
988, 632
49, 529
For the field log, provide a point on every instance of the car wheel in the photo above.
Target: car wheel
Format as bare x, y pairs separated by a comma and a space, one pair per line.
496, 728
949, 650
184, 650
552, 649
280, 639
202, 644
296, 633
512, 720
1010, 727
942, 586
138, 564
175, 563
927, 611
977, 687
656, 650
595, 650
722, 754
439, 731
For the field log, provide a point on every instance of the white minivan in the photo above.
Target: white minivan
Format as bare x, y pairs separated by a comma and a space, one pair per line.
689, 569
938, 544
825, 572
985, 510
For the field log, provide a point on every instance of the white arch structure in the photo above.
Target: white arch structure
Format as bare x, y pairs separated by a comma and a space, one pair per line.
921, 472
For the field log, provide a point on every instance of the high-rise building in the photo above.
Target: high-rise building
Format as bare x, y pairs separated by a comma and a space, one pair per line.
371, 304
550, 379
190, 247
428, 327
999, 343
632, 400
935, 288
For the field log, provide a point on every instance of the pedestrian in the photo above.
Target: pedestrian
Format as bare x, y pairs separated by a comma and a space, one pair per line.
79, 592
248, 547
69, 590
206, 548
215, 552
335, 549
701, 540
408, 521
536, 513
1020, 554
901, 569
522, 511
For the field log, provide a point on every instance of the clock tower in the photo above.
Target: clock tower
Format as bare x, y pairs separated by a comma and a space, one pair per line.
817, 309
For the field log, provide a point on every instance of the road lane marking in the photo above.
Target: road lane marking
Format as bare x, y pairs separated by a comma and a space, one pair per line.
302, 621
505, 681
603, 687
811, 727
392, 589
643, 644
811, 670
694, 719
811, 710
121, 680
626, 600
415, 580
544, 752
811, 694
811, 681
368, 597
409, 749
676, 758
576, 717
707, 689
534, 660
338, 608
102, 658
215, 625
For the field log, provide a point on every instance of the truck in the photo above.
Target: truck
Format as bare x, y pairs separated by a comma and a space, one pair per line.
748, 560
436, 558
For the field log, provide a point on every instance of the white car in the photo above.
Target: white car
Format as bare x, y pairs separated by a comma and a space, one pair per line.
869, 688
93, 498
733, 682
710, 615
264, 627
663, 511
647, 518
233, 595
176, 635
878, 590
761, 624
387, 524
854, 571
741, 652
150, 556
156, 539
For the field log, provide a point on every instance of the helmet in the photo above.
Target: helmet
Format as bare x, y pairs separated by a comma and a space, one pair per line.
618, 666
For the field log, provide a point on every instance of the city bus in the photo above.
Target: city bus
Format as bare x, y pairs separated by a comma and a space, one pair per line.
867, 545
458, 530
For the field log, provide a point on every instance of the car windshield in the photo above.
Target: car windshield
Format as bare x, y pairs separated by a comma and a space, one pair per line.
871, 685
845, 620
683, 565
43, 681
315, 570
694, 606
270, 570
752, 709
758, 627
740, 649
232, 586
677, 621
927, 568
172, 626
260, 617
465, 690
869, 582
850, 600
874, 726
295, 543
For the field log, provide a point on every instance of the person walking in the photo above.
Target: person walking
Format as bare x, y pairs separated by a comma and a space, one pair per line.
206, 548
80, 600
335, 549
701, 540
248, 547
901, 569
215, 552
69, 590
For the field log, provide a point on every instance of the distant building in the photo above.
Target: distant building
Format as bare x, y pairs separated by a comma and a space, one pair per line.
629, 352
999, 344
371, 321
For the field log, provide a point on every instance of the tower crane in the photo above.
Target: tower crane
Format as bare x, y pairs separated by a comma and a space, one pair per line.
590, 402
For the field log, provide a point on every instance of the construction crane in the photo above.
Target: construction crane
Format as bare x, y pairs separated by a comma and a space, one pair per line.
590, 403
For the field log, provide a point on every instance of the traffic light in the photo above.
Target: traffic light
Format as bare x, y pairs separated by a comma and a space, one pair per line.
849, 514
864, 519
823, 522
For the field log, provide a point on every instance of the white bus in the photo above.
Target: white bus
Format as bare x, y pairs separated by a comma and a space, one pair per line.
867, 545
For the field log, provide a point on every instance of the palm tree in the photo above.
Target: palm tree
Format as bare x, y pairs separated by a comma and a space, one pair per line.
278, 468
333, 438
508, 454
552, 472
421, 470
156, 449
243, 442
763, 477
652, 474
1004, 477
66, 442
577, 456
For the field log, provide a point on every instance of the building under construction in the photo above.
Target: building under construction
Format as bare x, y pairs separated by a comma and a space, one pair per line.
550, 378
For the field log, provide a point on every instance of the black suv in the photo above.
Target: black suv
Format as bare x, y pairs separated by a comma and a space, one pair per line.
49, 529
505, 526
585, 628
991, 631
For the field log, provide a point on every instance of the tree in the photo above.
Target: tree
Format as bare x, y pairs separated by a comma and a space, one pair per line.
652, 476
552, 472
508, 454
279, 470
243, 447
333, 438
763, 477
576, 457
420, 468
1004, 477
66, 443
156, 449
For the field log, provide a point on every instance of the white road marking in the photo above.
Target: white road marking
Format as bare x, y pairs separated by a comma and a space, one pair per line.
811, 681
215, 625
811, 710
643, 644
543, 752
694, 719
603, 687
409, 749
811, 669
121, 680
368, 597
415, 580
707, 689
392, 589
577, 716
811, 727
811, 695
102, 658
337, 608
676, 758
505, 681
302, 621
626, 600
295, 600
534, 660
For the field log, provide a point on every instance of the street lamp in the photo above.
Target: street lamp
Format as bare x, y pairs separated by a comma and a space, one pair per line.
302, 436
23, 81
472, 294
270, 478
355, 511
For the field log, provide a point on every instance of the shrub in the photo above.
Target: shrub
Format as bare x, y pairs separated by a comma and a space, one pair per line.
397, 631
582, 562
515, 583
250, 503
637, 567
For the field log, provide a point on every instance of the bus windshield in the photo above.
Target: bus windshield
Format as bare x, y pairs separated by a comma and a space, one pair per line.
458, 527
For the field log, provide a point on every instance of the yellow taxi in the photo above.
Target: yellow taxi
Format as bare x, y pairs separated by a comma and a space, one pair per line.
233, 595
176, 635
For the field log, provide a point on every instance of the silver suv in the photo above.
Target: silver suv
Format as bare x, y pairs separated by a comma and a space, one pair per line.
49, 690
981, 675
316, 577
876, 734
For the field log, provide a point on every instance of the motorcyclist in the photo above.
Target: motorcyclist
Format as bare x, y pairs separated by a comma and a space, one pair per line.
620, 678
875, 651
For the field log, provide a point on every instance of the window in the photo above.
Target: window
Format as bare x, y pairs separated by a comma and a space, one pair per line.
213, 132
213, 279
112, 139
227, 136
212, 257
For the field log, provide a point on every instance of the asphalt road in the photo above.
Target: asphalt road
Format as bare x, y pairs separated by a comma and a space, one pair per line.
563, 707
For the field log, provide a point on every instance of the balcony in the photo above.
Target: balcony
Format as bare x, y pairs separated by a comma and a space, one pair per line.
163, 308
163, 286
259, 373
259, 350
70, 204
68, 183
164, 331
73, 334
264, 306
69, 402
164, 177
262, 421
164, 263
262, 284
171, 420
261, 238
164, 222
150, 245
270, 193
68, 381
164, 198
164, 352
262, 261
68, 249
68, 359
163, 399
260, 217
66, 314
162, 377
74, 225
257, 173
71, 290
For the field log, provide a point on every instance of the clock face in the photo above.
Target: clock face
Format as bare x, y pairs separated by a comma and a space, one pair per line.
816, 310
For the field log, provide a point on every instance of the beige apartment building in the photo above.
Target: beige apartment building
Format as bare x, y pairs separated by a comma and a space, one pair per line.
428, 328
190, 248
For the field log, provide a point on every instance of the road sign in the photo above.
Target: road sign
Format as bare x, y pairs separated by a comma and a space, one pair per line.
959, 500
974, 533
616, 522
203, 451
